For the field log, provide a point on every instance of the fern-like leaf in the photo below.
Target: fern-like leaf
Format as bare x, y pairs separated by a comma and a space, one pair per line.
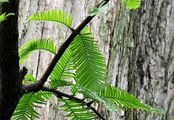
25, 108
93, 95
58, 16
63, 71
76, 111
32, 45
115, 99
88, 61
123, 99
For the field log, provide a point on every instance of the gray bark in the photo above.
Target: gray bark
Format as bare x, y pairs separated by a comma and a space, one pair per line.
138, 47
142, 56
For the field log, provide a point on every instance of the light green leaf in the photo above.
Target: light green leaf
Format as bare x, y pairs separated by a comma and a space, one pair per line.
76, 111
124, 99
2, 1
32, 45
110, 105
63, 72
28, 79
4, 16
88, 61
26, 106
58, 16
115, 99
132, 4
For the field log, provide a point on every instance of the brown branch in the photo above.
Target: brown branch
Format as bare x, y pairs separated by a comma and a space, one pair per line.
39, 84
61, 95
22, 73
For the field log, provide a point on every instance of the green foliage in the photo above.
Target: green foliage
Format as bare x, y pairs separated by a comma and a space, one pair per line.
76, 110
83, 62
115, 99
123, 99
82, 55
28, 79
32, 45
88, 61
4, 16
58, 16
93, 95
98, 10
27, 104
2, 1
62, 71
132, 4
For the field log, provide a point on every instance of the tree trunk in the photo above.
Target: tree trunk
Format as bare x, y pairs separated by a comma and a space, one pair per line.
9, 62
141, 57
138, 47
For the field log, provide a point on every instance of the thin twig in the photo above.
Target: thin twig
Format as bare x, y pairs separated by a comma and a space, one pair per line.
61, 95
22, 73
39, 84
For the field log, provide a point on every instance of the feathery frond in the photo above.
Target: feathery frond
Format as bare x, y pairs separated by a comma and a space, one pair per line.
63, 71
76, 111
123, 99
25, 108
32, 45
93, 95
115, 99
58, 16
88, 61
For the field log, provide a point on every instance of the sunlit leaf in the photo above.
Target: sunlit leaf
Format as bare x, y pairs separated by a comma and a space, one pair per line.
58, 16
4, 16
2, 1
32, 45
132, 4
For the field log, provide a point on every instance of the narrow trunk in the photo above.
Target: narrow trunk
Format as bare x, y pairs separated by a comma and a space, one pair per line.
9, 65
